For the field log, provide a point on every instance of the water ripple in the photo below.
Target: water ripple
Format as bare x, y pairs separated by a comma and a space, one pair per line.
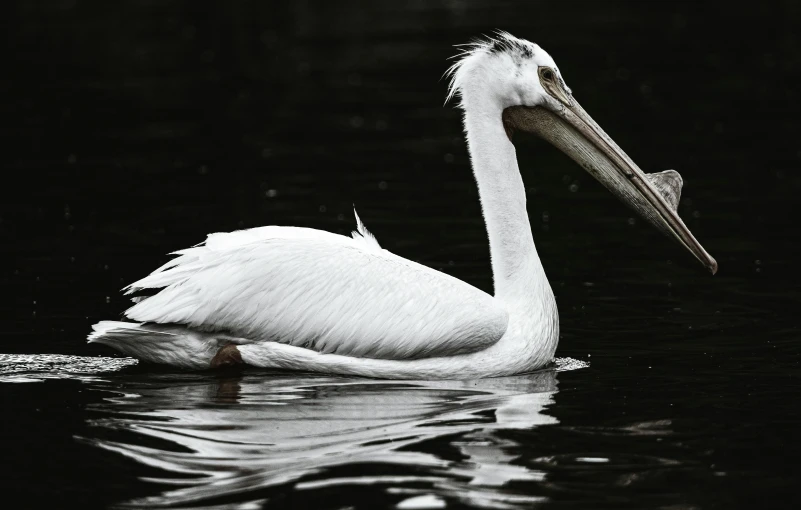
235, 439
223, 440
19, 368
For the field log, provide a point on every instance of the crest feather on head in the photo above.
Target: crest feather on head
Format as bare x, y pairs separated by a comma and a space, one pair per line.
500, 42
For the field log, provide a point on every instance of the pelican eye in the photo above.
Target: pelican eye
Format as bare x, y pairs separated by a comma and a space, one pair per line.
554, 86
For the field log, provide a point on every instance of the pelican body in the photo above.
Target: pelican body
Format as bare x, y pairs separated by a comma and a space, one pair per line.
308, 300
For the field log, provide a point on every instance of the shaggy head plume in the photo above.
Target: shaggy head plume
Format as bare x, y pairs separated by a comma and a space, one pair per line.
502, 43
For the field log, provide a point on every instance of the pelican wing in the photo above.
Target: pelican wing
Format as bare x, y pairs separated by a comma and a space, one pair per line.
321, 291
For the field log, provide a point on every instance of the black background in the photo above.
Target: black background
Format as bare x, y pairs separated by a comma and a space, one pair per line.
134, 128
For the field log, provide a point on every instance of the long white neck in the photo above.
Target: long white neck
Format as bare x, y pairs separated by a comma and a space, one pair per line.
517, 270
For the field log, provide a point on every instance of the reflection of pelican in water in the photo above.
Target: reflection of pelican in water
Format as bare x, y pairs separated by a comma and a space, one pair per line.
303, 299
233, 439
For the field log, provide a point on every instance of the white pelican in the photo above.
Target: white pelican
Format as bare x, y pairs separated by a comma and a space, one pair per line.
307, 300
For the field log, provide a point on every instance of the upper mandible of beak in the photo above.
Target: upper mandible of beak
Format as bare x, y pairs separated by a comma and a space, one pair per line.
574, 132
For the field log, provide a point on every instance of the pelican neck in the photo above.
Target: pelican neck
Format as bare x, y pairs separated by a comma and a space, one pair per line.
515, 262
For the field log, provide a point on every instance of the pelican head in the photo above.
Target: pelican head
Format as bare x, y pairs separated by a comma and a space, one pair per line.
520, 82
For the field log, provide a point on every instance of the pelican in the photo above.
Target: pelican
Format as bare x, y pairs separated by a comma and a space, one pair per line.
307, 300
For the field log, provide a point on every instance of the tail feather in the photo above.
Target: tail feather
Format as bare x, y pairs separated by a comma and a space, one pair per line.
106, 332
158, 343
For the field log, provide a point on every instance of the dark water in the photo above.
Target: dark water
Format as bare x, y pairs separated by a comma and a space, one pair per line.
133, 128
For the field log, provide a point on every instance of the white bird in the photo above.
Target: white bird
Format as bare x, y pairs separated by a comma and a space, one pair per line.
308, 300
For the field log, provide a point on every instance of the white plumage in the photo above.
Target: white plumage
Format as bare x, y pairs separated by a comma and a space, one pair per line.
303, 299
319, 291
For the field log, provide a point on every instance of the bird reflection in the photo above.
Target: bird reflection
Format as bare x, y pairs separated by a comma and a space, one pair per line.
233, 438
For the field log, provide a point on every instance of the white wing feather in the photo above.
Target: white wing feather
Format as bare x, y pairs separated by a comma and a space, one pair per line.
321, 291
362, 234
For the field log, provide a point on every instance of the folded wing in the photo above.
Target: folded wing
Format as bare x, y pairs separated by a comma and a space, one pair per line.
320, 291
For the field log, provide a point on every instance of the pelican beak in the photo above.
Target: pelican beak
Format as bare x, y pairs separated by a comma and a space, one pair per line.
569, 128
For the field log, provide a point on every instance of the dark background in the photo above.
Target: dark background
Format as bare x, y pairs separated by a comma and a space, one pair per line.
132, 128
